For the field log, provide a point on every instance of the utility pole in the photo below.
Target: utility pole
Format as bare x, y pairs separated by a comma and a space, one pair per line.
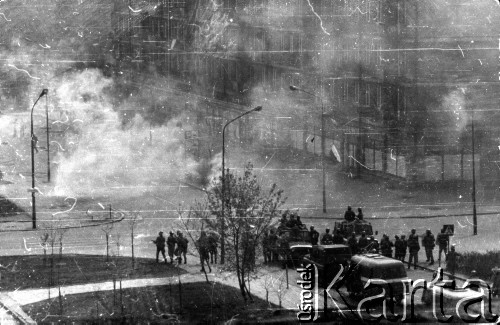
48, 140
474, 212
33, 144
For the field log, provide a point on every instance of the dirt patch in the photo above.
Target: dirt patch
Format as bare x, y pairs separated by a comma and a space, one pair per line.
190, 303
33, 271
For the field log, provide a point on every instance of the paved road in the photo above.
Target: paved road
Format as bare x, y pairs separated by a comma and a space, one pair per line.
158, 206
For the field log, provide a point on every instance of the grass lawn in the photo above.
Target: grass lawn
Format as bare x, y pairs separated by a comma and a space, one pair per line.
31, 271
194, 303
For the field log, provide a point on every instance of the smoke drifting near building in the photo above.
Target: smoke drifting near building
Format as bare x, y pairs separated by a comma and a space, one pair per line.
144, 88
103, 152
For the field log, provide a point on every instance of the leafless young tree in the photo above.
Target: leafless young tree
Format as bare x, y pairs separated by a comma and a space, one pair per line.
60, 232
107, 228
280, 288
268, 285
48, 239
134, 219
44, 238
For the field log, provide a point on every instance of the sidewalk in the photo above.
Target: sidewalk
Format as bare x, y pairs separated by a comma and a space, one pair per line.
289, 300
15, 300
11, 312
6, 318
30, 296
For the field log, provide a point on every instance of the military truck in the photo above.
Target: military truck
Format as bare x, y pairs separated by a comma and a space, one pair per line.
346, 228
293, 245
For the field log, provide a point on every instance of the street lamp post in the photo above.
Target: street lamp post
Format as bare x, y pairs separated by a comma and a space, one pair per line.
222, 246
294, 88
48, 140
474, 212
33, 211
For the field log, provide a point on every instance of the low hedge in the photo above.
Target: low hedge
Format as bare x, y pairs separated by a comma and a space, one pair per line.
481, 262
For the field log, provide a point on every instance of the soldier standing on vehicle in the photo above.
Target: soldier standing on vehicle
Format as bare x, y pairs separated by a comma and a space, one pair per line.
451, 261
349, 215
160, 246
314, 235
292, 222
442, 240
182, 246
386, 246
429, 243
171, 241
413, 247
300, 224
363, 242
327, 238
360, 214
352, 242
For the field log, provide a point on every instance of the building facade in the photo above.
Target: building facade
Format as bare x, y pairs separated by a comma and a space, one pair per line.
391, 85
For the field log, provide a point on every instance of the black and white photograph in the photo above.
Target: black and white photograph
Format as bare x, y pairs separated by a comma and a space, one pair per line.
249, 161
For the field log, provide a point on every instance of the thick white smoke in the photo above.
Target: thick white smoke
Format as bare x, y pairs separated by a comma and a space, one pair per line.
106, 154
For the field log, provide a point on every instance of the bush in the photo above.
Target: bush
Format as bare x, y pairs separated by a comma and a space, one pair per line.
481, 262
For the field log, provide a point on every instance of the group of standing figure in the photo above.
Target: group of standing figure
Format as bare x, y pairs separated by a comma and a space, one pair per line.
411, 245
401, 245
176, 246
429, 242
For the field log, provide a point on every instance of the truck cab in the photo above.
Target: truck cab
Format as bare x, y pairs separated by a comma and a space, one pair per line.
328, 259
366, 267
